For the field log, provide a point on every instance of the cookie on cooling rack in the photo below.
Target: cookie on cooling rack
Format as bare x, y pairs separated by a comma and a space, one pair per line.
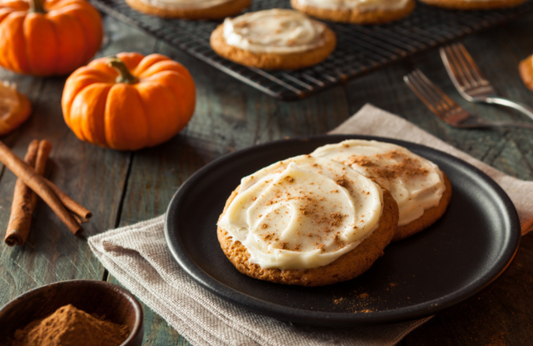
473, 4
306, 221
190, 9
421, 190
356, 11
526, 71
274, 40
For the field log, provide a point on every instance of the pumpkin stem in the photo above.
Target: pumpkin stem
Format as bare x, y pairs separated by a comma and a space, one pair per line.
37, 6
124, 75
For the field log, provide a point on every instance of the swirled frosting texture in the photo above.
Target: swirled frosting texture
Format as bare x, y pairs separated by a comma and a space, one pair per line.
414, 182
361, 5
303, 213
273, 31
185, 4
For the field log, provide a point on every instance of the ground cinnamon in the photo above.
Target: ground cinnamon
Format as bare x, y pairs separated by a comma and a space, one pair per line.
70, 326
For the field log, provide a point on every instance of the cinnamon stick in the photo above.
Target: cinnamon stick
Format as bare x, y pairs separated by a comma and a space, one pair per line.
81, 214
40, 163
24, 201
34, 181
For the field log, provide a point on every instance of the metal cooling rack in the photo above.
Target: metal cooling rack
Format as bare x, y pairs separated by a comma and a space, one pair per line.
360, 49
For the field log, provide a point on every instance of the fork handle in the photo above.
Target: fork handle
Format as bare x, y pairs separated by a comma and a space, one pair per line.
503, 124
504, 102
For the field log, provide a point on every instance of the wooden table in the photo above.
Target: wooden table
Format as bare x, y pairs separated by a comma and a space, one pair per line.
122, 188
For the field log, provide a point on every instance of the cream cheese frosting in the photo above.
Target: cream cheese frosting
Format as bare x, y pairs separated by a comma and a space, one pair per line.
414, 182
360, 5
273, 31
185, 4
303, 213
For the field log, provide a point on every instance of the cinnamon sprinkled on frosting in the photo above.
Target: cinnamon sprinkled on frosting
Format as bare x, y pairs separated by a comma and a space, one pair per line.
303, 213
415, 183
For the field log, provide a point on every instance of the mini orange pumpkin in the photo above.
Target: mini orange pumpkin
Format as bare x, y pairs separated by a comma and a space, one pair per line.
130, 101
48, 37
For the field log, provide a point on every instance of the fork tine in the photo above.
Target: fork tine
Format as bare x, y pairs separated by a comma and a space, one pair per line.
430, 94
456, 67
476, 72
463, 64
415, 88
437, 92
430, 97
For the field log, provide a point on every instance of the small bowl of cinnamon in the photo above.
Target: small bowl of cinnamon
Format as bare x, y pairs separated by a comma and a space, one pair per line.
76, 312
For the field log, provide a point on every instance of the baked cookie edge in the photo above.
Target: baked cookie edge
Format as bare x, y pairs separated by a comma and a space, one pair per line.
216, 12
429, 217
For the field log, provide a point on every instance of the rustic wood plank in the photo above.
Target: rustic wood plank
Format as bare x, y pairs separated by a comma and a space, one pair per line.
89, 174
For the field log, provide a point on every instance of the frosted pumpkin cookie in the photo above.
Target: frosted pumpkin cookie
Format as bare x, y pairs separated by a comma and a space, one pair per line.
190, 9
273, 39
306, 221
420, 188
526, 71
356, 11
474, 4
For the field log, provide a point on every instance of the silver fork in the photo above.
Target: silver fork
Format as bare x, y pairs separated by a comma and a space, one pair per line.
446, 109
469, 80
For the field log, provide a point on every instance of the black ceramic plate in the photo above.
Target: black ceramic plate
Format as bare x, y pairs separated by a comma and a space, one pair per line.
463, 252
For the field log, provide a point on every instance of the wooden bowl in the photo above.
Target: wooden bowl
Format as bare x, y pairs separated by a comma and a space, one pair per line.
92, 296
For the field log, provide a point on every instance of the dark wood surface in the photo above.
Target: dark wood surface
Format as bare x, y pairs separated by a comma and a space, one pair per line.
122, 188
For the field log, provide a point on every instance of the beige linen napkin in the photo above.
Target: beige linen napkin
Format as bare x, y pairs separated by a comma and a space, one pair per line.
138, 257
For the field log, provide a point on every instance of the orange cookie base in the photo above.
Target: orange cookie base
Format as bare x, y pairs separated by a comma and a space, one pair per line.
526, 72
346, 267
273, 61
429, 217
473, 5
355, 16
216, 12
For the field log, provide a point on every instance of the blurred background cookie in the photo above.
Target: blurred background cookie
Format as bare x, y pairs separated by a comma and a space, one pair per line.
273, 39
473, 4
356, 11
190, 9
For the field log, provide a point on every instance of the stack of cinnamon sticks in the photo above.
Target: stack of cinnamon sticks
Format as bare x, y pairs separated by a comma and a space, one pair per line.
31, 184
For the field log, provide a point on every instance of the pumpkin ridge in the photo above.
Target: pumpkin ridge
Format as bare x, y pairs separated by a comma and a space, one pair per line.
65, 9
93, 127
163, 65
89, 21
147, 63
19, 17
145, 114
124, 131
6, 13
78, 58
58, 42
3, 17
67, 105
